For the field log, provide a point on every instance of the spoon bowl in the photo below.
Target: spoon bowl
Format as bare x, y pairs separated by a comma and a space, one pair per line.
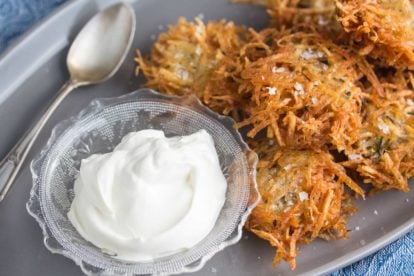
101, 46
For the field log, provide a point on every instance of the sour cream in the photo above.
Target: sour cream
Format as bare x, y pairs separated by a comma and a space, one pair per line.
152, 196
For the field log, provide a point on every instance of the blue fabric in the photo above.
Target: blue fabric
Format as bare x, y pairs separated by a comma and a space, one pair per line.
16, 16
395, 259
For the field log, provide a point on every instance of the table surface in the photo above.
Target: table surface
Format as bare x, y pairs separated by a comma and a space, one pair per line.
16, 16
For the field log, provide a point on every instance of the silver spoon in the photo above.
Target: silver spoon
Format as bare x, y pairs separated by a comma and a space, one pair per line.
96, 54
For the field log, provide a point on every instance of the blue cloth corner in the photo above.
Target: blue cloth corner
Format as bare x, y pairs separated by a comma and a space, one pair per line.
16, 16
395, 259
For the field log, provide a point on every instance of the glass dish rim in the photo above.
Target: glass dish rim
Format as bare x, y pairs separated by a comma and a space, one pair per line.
33, 205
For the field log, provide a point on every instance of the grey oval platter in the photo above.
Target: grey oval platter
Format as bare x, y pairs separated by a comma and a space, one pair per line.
33, 69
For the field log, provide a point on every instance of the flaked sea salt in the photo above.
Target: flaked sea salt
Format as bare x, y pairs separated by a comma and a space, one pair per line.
198, 50
178, 55
354, 156
322, 21
298, 89
199, 30
298, 86
384, 128
309, 53
183, 73
303, 196
271, 90
201, 16
278, 69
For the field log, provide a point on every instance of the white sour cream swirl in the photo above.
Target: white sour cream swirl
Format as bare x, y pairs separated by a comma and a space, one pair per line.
152, 196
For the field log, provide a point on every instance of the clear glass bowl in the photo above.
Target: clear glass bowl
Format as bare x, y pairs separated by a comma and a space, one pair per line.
98, 129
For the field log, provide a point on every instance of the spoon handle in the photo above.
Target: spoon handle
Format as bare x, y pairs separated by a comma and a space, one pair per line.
12, 163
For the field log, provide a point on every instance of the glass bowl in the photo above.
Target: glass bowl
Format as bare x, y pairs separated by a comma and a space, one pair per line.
98, 129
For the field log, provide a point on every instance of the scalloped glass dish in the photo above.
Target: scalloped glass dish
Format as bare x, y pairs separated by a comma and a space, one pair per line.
98, 129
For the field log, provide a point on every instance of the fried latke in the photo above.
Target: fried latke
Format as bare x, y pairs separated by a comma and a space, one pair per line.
380, 29
303, 198
301, 89
384, 156
189, 59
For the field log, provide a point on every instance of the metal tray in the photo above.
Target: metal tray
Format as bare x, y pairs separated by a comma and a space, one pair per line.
33, 70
